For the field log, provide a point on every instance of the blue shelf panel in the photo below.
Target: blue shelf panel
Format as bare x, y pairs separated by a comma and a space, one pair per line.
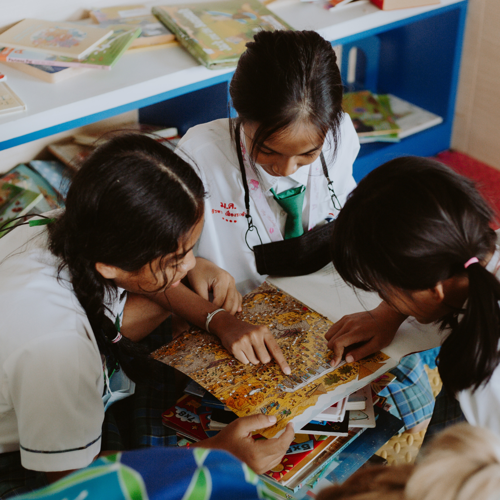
426, 143
95, 117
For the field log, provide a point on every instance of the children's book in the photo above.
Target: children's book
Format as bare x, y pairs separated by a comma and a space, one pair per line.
369, 117
357, 400
153, 32
334, 413
9, 101
402, 4
70, 153
26, 178
248, 389
46, 72
55, 173
216, 33
365, 417
183, 418
54, 37
327, 428
103, 56
303, 449
409, 118
15, 202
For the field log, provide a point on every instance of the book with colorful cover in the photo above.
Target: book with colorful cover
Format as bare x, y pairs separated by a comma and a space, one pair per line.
26, 178
369, 117
153, 32
303, 449
17, 202
264, 388
216, 33
103, 56
183, 417
55, 173
54, 37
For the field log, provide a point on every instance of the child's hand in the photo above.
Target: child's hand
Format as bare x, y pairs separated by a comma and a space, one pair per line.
372, 330
206, 278
248, 343
260, 455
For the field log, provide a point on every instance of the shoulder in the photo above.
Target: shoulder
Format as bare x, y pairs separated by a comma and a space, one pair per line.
212, 136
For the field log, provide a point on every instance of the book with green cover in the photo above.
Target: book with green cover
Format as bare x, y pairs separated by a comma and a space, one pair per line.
104, 56
370, 118
216, 33
18, 202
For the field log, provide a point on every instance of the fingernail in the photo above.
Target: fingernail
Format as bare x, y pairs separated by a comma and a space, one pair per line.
333, 362
287, 370
272, 419
349, 358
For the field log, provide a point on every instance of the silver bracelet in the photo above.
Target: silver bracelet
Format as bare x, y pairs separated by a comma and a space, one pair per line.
209, 318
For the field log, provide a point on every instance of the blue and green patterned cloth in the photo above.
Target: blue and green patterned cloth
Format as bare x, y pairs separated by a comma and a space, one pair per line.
159, 473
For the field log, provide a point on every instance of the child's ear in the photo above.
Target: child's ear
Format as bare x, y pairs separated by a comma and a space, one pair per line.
106, 271
437, 292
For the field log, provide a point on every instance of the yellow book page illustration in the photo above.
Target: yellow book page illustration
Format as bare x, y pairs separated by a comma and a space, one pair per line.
247, 389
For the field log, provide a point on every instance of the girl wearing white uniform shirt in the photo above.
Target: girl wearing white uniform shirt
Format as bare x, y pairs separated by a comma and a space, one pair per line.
287, 92
423, 240
77, 296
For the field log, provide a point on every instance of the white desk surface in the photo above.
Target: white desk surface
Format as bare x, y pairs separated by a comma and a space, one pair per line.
149, 73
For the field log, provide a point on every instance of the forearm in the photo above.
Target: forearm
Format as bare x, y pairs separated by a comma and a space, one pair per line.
389, 316
186, 304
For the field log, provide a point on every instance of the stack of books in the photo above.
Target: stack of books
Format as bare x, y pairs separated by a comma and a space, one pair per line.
385, 117
54, 51
197, 415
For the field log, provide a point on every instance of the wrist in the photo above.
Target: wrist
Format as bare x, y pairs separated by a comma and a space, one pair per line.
211, 316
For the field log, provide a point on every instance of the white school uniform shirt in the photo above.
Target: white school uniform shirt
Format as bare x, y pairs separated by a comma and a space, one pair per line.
482, 407
211, 149
51, 371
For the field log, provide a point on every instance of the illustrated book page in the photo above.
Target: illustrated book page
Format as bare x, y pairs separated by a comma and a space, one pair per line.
248, 390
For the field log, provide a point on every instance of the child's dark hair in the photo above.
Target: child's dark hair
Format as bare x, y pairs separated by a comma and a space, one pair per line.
287, 77
412, 223
132, 201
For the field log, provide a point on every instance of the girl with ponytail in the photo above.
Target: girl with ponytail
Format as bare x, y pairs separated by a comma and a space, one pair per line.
420, 236
79, 296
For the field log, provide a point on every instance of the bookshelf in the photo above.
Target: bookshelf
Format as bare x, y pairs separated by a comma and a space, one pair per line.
419, 61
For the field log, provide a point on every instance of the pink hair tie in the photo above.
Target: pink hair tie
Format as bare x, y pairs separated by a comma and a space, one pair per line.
473, 260
117, 338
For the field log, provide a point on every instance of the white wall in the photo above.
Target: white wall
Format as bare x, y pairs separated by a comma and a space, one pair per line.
477, 117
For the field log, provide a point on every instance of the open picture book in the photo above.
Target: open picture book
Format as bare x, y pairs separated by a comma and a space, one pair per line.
295, 310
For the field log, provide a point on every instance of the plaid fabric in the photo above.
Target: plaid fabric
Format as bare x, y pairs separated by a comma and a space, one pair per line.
411, 391
447, 412
15, 479
135, 422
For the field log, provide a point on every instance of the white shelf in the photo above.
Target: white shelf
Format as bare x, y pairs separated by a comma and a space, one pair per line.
147, 74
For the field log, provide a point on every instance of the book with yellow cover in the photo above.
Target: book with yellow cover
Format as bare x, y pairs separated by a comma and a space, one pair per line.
59, 38
264, 388
216, 33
